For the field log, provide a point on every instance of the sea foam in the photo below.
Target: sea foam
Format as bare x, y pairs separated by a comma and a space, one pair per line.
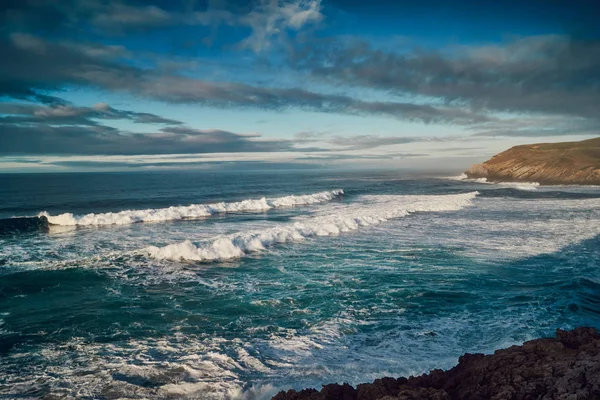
376, 210
189, 212
515, 185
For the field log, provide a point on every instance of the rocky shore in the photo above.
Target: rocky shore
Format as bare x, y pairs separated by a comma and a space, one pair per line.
566, 367
575, 163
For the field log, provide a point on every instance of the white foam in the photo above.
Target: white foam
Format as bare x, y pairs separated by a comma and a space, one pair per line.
501, 229
516, 185
377, 209
189, 212
184, 369
460, 177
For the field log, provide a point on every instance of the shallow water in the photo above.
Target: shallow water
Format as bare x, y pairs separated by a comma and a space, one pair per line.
398, 275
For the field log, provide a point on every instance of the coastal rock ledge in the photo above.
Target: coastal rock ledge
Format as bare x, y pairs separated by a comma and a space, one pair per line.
575, 163
566, 368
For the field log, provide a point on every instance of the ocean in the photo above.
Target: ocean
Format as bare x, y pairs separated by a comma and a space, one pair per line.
238, 284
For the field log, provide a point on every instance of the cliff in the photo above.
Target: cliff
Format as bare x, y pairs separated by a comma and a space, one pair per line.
566, 367
547, 163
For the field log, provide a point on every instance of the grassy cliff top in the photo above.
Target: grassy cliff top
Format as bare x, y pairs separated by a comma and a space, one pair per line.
546, 163
584, 153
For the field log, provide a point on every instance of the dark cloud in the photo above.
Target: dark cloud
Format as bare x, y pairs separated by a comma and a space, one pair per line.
36, 66
463, 85
45, 139
266, 22
107, 17
538, 127
23, 113
36, 129
38, 15
543, 74
31, 67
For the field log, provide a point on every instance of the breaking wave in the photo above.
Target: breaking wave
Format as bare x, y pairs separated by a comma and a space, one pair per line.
189, 212
516, 185
378, 209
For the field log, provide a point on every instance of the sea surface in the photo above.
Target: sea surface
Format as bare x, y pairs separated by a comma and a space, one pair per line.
238, 284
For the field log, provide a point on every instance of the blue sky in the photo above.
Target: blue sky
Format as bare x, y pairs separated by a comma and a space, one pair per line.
110, 85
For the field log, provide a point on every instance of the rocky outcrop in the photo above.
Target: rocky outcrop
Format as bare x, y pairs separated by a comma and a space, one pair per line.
546, 163
566, 367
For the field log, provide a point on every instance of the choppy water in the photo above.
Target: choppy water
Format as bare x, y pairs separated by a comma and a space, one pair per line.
137, 294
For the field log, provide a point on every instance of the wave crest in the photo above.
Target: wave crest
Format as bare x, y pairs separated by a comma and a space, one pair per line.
189, 212
379, 209
515, 185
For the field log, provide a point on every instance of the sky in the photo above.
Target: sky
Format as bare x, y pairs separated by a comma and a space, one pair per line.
99, 85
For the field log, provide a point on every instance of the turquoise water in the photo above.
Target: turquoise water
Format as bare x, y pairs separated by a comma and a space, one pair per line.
398, 275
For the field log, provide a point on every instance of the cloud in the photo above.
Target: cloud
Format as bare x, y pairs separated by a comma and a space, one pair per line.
123, 16
311, 136
471, 86
541, 132
42, 139
267, 21
109, 17
362, 142
36, 66
550, 74
37, 15
349, 157
462, 149
31, 66
24, 113
273, 18
244, 161
204, 165
539, 126
66, 129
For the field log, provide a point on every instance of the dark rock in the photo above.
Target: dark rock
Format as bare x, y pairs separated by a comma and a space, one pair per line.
574, 339
293, 395
565, 368
332, 391
379, 388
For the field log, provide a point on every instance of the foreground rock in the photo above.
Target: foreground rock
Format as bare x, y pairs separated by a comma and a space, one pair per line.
567, 367
547, 163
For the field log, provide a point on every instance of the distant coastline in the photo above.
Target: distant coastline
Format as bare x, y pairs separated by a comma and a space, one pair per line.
567, 163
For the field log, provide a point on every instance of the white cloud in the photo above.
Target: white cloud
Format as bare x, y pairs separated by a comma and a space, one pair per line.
124, 15
273, 18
